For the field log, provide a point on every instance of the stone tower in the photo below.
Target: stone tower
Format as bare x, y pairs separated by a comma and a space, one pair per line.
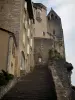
60, 69
54, 27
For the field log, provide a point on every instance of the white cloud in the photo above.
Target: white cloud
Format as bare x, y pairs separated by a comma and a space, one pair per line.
65, 12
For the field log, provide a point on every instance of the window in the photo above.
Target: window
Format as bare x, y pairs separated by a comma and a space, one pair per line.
28, 48
31, 42
56, 17
13, 50
25, 24
22, 67
48, 18
11, 65
28, 40
24, 38
34, 31
52, 16
1, 8
38, 14
43, 33
12, 71
29, 22
40, 60
60, 44
50, 34
25, 5
28, 33
53, 32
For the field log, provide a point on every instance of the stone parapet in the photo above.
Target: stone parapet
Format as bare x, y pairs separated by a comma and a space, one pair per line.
60, 78
5, 89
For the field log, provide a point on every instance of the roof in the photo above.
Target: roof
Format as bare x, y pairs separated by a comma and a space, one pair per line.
52, 11
40, 5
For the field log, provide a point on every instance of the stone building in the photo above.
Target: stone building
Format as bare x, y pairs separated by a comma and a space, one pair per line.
49, 36
16, 16
26, 43
27, 34
35, 32
48, 33
42, 41
54, 27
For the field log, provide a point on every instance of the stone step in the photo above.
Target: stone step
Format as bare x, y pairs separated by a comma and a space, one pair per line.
34, 86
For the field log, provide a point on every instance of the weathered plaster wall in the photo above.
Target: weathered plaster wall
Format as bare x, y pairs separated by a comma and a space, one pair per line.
3, 49
11, 56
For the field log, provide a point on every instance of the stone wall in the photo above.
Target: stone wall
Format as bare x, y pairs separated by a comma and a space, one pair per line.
10, 12
61, 79
73, 94
40, 26
5, 89
41, 49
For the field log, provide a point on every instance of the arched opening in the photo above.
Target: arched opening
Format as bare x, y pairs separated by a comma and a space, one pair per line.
23, 54
48, 18
53, 32
52, 16
22, 66
39, 58
56, 17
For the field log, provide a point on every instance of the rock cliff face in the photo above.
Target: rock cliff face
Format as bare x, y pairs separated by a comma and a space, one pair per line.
62, 80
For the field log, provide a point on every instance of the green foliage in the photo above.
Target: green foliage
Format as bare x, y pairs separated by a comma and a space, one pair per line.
2, 79
5, 77
54, 54
51, 55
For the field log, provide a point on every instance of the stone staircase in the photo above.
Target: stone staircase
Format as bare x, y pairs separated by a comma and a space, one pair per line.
37, 85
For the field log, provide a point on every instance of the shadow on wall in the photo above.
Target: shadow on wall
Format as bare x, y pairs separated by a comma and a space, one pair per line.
52, 85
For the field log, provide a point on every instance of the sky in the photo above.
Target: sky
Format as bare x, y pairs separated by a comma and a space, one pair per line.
66, 10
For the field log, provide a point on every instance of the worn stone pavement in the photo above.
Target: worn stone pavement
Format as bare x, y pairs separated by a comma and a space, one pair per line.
37, 85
